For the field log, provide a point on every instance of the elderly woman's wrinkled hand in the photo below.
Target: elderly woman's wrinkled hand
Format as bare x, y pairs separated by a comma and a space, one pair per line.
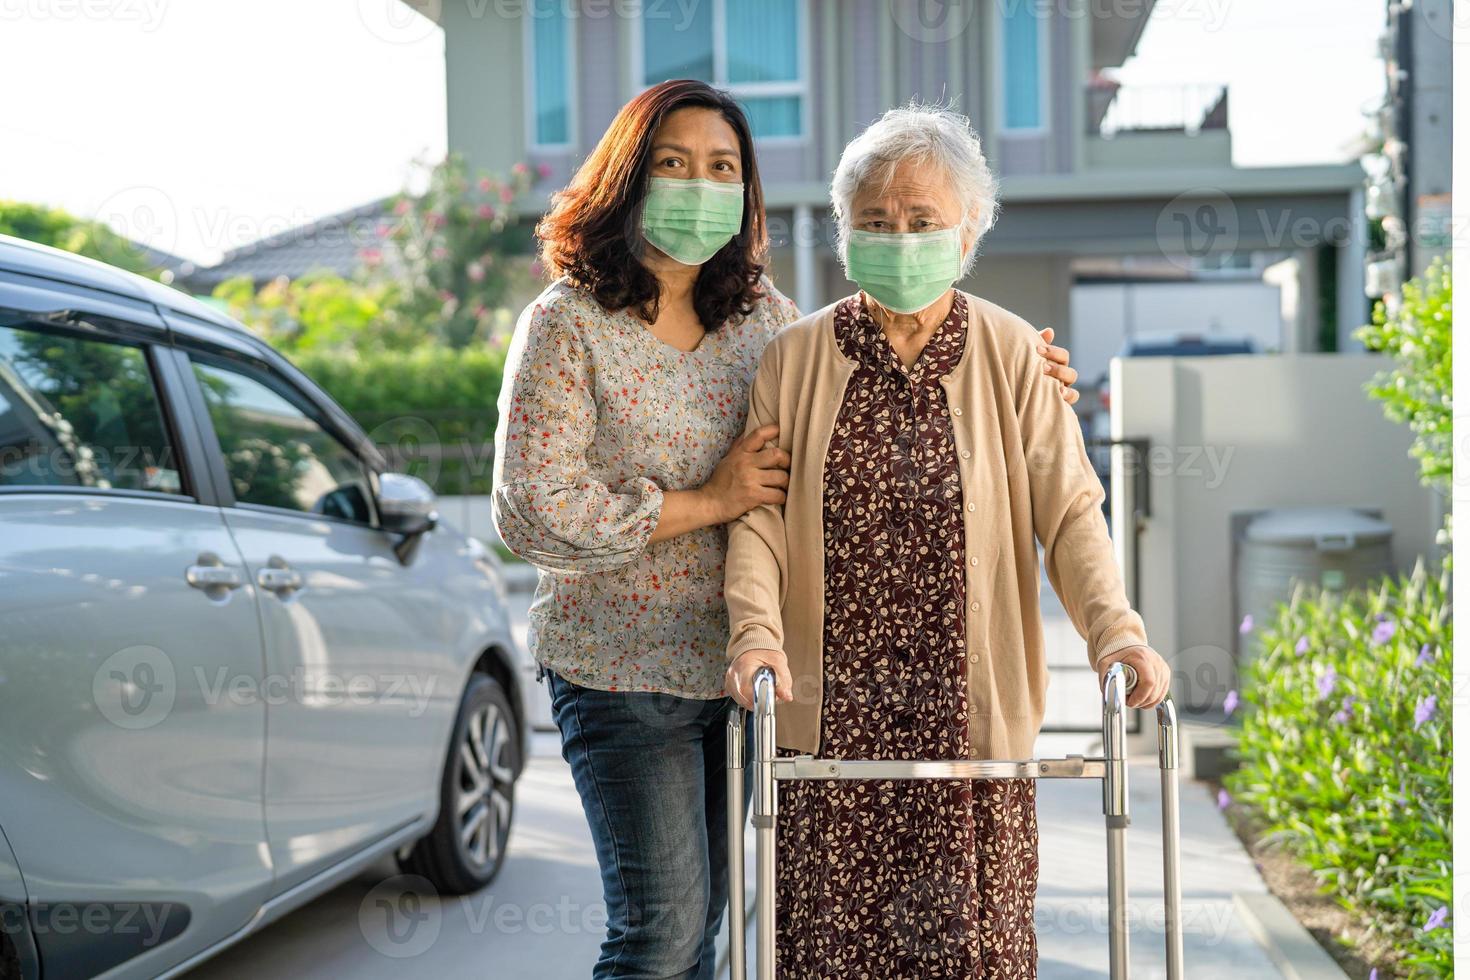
1153, 674
740, 677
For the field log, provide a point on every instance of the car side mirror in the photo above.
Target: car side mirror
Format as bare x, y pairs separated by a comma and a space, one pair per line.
406, 504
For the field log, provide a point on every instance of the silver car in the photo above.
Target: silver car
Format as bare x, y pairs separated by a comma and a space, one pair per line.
239, 661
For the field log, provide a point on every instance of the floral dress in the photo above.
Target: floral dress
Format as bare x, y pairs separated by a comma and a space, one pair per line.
899, 880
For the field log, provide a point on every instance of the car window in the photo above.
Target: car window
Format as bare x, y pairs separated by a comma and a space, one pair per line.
80, 413
276, 453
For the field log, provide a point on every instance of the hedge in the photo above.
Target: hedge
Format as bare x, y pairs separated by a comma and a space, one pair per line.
431, 409
1345, 753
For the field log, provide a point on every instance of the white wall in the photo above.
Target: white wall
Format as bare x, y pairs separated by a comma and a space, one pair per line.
1242, 433
1103, 314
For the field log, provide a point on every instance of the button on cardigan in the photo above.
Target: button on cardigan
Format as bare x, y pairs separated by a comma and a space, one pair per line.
1025, 479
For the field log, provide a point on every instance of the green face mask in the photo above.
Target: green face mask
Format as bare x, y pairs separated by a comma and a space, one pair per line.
690, 220
904, 272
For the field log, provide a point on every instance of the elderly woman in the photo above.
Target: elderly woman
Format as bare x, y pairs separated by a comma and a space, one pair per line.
896, 593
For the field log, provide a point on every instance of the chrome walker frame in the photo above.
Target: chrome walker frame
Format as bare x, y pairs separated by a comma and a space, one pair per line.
1111, 768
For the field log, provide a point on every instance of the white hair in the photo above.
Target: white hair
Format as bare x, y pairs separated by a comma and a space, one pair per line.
933, 134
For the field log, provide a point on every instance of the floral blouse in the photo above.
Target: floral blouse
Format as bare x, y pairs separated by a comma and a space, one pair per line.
598, 417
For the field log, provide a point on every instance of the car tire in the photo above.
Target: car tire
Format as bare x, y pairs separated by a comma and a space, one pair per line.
477, 787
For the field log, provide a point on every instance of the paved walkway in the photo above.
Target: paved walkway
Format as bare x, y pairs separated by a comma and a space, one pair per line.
1071, 912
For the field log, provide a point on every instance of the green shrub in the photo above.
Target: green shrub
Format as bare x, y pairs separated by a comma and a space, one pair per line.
431, 409
55, 227
1417, 389
1345, 753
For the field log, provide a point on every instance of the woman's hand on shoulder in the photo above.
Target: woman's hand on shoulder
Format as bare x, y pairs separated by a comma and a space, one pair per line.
1058, 365
740, 677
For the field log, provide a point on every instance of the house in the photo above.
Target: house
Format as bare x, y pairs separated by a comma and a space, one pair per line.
334, 243
1090, 171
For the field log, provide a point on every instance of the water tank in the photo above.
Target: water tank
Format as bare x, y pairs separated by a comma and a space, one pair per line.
1334, 547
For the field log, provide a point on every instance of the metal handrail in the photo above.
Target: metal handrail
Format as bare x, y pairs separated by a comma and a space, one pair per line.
1111, 768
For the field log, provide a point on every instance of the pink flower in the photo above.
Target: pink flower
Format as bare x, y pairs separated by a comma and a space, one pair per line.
475, 271
401, 207
439, 253
484, 184
519, 169
486, 211
371, 256
433, 219
507, 195
536, 268
543, 169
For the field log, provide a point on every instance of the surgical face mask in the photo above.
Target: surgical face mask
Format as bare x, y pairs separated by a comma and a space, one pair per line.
689, 220
904, 272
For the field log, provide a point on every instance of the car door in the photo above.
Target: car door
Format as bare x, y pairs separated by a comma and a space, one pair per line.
131, 749
359, 654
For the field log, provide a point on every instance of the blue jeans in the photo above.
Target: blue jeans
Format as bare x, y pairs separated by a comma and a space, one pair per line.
650, 769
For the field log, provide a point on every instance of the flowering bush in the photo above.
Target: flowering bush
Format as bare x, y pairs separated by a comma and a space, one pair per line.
454, 245
1345, 753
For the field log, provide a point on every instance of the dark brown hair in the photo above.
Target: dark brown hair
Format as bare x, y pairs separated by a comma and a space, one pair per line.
592, 229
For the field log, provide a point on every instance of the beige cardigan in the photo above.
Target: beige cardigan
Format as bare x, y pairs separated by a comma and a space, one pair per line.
1025, 477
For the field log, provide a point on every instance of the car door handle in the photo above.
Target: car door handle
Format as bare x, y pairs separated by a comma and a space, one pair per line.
278, 577
212, 576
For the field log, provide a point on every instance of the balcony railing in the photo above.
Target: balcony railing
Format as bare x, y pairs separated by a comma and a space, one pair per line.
1190, 108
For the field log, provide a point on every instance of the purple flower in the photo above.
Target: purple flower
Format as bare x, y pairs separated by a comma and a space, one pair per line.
1247, 624
1301, 646
1373, 974
1436, 918
1346, 712
1383, 632
1327, 683
1232, 701
1426, 654
1425, 709
1223, 800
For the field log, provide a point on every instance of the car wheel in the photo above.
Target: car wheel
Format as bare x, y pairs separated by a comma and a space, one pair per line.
466, 848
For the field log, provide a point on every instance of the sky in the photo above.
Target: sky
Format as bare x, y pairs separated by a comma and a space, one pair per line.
197, 126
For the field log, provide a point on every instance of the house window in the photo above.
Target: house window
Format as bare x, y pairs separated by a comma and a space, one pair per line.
1023, 65
750, 48
550, 44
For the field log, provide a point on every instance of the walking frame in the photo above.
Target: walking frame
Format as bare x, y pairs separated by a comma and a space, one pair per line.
1111, 768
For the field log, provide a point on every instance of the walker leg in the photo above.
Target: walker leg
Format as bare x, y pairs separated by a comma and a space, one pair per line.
1115, 813
764, 818
1169, 794
735, 834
